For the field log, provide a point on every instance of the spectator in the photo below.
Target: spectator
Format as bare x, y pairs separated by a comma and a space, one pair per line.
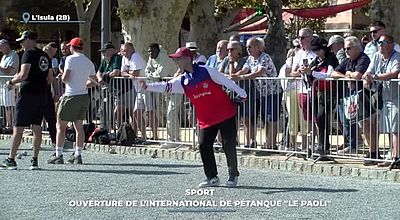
110, 67
53, 96
234, 61
247, 74
354, 67
296, 47
133, 66
376, 29
198, 82
322, 67
384, 66
259, 64
298, 98
215, 60
158, 67
65, 51
336, 44
197, 57
9, 65
79, 71
52, 51
236, 37
34, 77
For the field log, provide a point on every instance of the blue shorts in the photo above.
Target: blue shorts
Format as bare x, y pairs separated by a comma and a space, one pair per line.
271, 107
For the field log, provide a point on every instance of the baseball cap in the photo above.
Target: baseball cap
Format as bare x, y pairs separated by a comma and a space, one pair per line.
183, 51
76, 42
106, 46
335, 39
191, 45
27, 35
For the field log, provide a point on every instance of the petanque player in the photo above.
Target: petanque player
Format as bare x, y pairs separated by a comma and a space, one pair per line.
214, 109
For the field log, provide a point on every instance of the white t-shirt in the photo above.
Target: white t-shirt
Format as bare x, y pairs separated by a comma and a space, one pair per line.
135, 63
10, 60
81, 68
298, 60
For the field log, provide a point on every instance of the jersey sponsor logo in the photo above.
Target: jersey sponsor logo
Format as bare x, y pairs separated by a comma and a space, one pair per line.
205, 85
201, 95
43, 63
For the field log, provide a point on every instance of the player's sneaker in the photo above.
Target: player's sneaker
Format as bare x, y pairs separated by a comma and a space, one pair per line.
9, 164
209, 182
232, 181
73, 159
56, 160
34, 164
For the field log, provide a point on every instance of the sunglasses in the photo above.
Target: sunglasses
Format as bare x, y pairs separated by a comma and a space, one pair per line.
375, 31
383, 42
347, 48
302, 37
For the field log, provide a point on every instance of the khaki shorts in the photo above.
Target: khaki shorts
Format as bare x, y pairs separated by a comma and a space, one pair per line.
73, 108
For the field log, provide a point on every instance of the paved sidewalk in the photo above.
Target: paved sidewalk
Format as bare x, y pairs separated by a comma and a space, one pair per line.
107, 185
340, 167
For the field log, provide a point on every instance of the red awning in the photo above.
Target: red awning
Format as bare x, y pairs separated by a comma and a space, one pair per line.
248, 20
242, 14
256, 26
326, 11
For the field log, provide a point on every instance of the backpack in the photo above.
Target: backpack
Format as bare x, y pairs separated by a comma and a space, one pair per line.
70, 134
125, 134
99, 136
88, 128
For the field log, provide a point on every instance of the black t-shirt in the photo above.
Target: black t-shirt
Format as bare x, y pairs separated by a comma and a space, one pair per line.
37, 77
358, 65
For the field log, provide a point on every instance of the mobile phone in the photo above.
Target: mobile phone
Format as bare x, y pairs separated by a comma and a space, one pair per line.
305, 62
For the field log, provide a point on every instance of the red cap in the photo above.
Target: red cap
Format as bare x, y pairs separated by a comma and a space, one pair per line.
76, 42
183, 51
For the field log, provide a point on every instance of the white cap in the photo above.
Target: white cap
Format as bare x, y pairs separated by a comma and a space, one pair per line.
191, 45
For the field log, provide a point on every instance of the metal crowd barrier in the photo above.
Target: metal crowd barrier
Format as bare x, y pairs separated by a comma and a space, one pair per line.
282, 115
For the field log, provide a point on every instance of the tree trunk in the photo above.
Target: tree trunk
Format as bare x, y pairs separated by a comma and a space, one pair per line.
153, 21
206, 29
381, 10
86, 14
275, 41
203, 28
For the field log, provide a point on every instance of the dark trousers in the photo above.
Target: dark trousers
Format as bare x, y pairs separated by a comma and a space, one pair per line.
50, 117
206, 140
322, 111
349, 130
